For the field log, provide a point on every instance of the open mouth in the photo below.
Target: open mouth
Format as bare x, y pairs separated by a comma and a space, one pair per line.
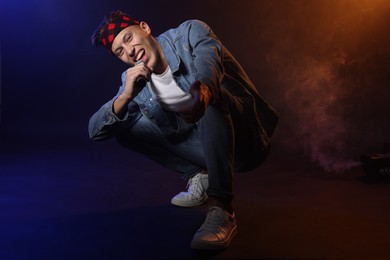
140, 55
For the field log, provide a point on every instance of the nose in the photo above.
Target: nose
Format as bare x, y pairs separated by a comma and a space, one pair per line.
130, 51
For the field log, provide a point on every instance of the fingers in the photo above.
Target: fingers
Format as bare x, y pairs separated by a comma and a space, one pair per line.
136, 78
193, 113
140, 69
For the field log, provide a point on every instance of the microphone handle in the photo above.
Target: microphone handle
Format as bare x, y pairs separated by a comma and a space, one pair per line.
140, 82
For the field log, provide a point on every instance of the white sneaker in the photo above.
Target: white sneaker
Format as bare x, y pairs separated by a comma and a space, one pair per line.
196, 191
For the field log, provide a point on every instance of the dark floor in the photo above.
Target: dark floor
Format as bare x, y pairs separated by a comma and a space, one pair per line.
87, 200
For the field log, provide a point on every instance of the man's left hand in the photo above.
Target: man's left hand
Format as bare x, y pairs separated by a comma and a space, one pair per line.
201, 98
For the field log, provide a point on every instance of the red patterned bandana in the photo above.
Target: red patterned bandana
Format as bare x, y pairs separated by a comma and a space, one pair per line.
114, 28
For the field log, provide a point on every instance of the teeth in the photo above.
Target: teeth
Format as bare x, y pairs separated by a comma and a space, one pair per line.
140, 54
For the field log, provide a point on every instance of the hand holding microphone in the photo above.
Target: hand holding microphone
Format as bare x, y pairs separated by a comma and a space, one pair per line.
136, 79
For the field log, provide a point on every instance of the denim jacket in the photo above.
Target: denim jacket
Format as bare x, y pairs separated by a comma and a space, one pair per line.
193, 52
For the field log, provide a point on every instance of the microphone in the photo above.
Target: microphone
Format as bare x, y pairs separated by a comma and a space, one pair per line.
140, 81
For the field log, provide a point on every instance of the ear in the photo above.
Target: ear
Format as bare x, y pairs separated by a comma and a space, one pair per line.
145, 27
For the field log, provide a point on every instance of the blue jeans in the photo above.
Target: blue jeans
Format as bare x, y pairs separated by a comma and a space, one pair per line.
227, 138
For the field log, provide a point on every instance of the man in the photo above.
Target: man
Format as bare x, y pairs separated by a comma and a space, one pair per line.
186, 103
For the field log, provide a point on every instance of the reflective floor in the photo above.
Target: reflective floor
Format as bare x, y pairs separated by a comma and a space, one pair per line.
78, 199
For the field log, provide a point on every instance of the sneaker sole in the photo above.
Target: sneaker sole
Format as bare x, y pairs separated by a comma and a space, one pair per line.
200, 245
187, 204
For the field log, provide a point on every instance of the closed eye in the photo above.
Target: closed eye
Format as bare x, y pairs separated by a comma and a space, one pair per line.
128, 38
119, 52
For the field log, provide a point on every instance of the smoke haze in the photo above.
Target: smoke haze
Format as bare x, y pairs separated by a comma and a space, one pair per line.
330, 65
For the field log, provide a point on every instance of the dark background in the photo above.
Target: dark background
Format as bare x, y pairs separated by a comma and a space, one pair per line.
324, 65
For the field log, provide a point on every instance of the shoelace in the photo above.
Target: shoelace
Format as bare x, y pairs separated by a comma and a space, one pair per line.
193, 182
213, 221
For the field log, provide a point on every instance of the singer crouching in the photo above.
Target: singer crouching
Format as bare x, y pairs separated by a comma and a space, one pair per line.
186, 103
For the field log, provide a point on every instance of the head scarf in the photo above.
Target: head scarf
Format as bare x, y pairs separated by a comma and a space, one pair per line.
112, 29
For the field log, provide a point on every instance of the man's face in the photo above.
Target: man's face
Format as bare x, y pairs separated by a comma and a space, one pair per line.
135, 43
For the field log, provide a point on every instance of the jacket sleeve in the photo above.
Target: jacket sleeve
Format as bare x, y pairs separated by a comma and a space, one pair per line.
101, 122
105, 123
207, 55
